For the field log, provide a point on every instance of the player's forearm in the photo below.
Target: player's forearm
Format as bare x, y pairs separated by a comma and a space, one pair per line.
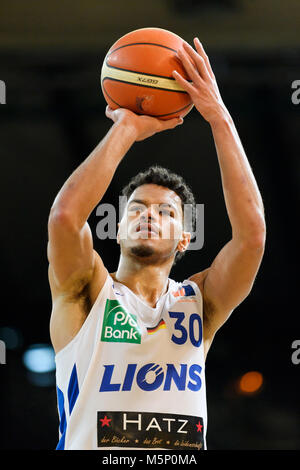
242, 197
86, 186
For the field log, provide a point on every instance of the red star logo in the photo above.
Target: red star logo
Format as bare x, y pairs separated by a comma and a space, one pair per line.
199, 427
105, 421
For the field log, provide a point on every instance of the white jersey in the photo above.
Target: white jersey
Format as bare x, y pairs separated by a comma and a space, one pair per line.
134, 376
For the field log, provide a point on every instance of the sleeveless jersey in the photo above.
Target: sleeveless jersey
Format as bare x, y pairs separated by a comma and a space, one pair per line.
134, 376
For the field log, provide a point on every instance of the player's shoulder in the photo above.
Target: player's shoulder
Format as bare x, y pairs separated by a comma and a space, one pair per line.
199, 278
188, 286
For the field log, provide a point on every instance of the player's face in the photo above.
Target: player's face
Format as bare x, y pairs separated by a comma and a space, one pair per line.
152, 223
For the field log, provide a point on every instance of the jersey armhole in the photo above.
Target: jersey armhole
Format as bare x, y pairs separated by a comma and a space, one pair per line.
197, 290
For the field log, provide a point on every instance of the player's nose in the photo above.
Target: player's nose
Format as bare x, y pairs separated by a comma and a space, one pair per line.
148, 214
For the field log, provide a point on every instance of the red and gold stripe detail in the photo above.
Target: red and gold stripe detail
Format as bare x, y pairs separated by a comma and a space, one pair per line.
159, 326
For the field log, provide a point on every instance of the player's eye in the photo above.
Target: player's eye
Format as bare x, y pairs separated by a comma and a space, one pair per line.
135, 209
166, 212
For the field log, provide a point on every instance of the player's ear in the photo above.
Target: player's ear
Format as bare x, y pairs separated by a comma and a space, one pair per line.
118, 234
184, 241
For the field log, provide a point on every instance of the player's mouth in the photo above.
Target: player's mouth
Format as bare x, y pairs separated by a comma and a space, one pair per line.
147, 228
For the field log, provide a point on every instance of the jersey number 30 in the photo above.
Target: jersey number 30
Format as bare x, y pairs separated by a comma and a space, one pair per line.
195, 329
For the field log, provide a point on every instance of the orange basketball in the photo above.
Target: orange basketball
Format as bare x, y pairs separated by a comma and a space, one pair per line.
137, 74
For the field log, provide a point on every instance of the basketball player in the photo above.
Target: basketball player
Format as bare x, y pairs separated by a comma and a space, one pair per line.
131, 345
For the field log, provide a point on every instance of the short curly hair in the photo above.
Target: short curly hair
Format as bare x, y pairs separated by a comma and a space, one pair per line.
161, 176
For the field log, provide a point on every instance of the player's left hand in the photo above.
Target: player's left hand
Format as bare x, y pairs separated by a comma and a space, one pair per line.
203, 90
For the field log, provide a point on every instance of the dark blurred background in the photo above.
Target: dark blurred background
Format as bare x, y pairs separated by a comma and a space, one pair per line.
51, 57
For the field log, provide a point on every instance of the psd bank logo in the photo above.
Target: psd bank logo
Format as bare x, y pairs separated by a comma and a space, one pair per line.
2, 92
119, 326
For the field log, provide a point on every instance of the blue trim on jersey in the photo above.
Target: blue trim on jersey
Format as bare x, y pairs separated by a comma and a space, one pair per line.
188, 290
62, 417
73, 389
73, 392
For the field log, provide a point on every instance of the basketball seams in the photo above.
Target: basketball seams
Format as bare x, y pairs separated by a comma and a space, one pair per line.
141, 44
152, 115
141, 73
144, 86
140, 78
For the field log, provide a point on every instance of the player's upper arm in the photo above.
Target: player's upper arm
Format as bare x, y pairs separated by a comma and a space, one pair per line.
70, 252
227, 282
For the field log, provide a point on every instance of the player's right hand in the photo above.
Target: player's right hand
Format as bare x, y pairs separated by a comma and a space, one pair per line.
143, 126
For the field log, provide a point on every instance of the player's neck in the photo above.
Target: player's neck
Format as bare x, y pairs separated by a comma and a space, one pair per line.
147, 282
